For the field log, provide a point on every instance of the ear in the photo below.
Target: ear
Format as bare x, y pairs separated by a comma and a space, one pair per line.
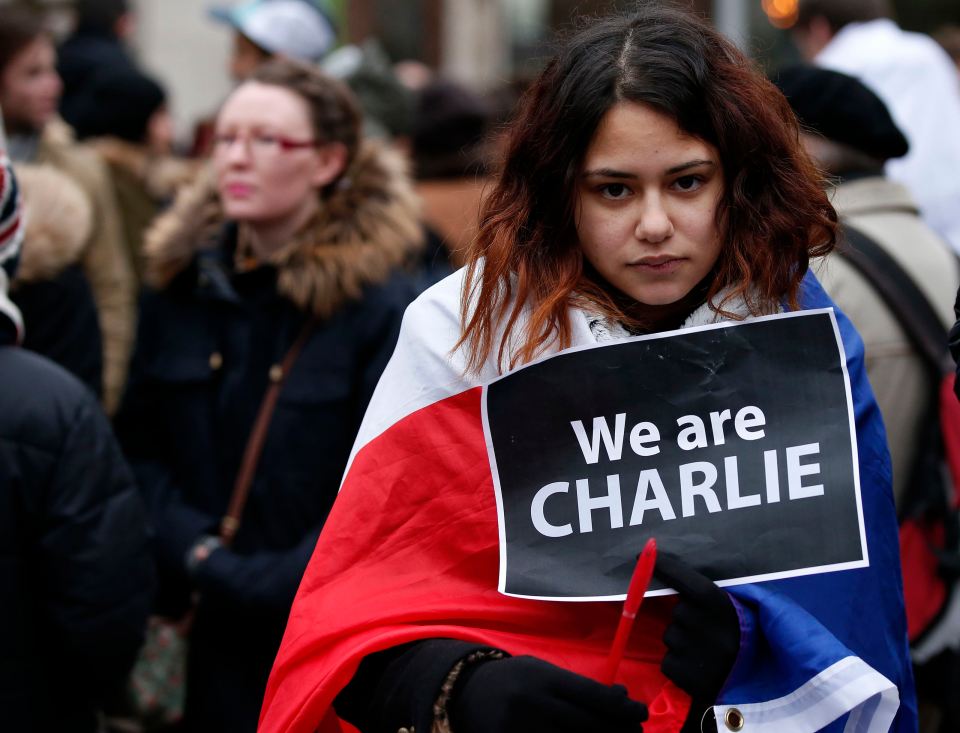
331, 160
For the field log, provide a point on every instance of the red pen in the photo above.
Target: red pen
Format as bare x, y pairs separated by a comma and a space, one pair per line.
635, 592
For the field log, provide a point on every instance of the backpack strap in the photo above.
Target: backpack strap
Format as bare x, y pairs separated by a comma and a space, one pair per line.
900, 293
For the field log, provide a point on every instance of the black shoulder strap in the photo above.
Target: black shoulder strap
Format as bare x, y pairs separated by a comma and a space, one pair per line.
897, 289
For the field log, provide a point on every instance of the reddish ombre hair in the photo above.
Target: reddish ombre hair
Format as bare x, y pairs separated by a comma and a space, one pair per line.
773, 216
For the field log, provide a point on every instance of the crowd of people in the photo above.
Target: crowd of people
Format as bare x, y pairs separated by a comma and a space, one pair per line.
242, 427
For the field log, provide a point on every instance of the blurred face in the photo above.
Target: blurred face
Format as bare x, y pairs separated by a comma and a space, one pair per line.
246, 57
30, 87
268, 163
648, 196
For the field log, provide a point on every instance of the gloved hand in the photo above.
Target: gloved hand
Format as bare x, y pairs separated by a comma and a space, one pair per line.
529, 695
703, 636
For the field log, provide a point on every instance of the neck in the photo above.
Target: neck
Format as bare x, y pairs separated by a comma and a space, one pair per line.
641, 318
266, 238
657, 318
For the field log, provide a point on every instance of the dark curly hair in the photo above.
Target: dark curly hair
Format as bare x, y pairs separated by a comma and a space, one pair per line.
773, 215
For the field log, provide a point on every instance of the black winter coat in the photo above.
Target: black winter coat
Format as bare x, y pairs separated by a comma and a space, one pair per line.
76, 580
206, 345
60, 322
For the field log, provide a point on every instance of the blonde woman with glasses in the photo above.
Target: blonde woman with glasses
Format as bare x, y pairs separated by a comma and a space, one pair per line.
278, 288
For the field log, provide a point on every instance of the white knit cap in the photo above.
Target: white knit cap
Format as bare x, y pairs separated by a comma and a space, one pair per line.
293, 28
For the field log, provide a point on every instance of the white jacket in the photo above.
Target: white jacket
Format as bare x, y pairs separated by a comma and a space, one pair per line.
919, 84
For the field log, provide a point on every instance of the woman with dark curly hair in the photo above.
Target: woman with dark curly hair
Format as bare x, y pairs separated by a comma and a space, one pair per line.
653, 180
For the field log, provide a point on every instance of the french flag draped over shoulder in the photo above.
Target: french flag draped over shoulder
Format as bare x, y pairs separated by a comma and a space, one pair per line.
411, 551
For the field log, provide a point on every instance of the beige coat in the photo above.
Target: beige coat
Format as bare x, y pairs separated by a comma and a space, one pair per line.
885, 211
143, 184
105, 259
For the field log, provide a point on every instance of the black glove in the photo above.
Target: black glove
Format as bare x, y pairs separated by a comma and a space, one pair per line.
703, 636
528, 695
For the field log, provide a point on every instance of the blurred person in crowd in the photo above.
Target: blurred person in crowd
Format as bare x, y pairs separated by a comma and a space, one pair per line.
450, 159
849, 132
300, 30
98, 42
301, 236
76, 578
125, 118
29, 92
265, 29
653, 180
388, 105
914, 78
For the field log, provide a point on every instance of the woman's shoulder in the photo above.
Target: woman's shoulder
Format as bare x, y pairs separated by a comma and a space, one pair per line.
430, 332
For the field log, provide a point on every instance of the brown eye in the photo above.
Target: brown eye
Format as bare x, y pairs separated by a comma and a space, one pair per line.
614, 191
688, 183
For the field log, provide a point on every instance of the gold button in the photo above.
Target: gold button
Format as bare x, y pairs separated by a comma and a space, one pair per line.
276, 373
733, 719
216, 360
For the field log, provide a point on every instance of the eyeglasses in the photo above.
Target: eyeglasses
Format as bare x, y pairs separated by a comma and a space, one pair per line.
259, 145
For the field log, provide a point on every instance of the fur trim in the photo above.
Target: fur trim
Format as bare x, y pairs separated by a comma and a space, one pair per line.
726, 308
366, 228
59, 219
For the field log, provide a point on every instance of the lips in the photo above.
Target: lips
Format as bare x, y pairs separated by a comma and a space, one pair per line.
659, 264
237, 190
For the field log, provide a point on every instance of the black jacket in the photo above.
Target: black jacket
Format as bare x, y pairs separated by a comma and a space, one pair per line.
206, 344
51, 288
60, 322
76, 581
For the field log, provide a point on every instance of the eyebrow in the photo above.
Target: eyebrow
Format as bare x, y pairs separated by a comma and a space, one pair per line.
613, 173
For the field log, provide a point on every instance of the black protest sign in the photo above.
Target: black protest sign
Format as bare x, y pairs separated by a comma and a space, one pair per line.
733, 445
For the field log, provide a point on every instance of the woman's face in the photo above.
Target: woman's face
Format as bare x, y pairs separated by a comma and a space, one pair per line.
30, 86
268, 163
647, 206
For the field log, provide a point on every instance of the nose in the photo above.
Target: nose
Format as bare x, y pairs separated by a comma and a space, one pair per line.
654, 224
237, 152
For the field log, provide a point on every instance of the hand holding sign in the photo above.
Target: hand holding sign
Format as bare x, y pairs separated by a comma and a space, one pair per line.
703, 637
529, 695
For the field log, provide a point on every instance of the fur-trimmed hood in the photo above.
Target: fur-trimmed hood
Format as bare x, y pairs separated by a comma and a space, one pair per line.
59, 219
365, 229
